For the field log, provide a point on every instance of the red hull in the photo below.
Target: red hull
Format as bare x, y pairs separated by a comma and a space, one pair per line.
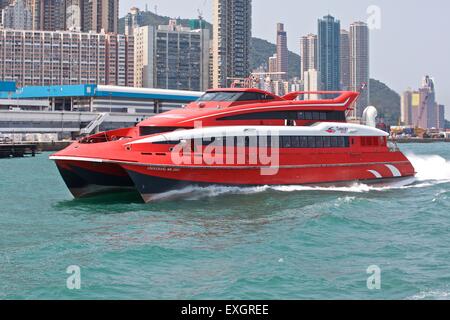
152, 180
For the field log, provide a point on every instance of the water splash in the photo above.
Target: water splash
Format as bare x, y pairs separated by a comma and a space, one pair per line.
431, 295
430, 167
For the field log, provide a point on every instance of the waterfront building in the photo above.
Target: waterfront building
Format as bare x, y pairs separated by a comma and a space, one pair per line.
426, 113
282, 52
17, 15
61, 57
359, 64
345, 60
440, 116
406, 108
328, 50
232, 30
172, 57
308, 53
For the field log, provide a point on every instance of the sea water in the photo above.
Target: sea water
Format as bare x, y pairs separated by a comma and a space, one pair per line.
288, 242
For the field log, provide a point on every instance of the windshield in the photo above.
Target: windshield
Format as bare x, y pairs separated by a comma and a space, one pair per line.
220, 96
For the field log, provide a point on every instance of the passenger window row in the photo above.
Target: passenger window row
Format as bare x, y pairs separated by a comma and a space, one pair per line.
286, 142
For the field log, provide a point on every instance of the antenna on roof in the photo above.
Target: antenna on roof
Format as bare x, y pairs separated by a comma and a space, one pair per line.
156, 9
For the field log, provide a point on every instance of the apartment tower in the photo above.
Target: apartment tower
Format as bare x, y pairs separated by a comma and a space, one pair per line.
231, 41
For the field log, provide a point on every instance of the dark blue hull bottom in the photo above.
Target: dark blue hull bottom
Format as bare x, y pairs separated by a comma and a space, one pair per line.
84, 183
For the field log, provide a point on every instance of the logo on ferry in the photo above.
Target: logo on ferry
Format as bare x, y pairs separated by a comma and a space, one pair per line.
341, 130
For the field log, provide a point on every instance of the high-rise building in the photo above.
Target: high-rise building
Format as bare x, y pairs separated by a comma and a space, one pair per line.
311, 82
359, 64
4, 3
425, 110
282, 52
345, 60
133, 20
60, 57
172, 57
100, 15
406, 108
273, 64
231, 40
440, 116
17, 15
75, 15
308, 54
48, 15
328, 50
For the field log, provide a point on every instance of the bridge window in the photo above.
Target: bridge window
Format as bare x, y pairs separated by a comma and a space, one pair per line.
148, 131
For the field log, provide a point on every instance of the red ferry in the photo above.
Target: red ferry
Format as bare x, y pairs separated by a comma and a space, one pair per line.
227, 137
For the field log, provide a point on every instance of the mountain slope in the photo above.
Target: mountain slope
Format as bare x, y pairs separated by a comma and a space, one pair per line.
386, 100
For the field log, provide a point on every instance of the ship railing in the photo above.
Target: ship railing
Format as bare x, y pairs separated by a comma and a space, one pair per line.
393, 147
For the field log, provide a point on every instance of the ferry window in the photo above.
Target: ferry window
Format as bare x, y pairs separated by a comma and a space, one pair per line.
308, 116
343, 142
319, 142
301, 115
148, 131
250, 96
311, 142
323, 116
303, 142
295, 141
219, 96
327, 142
286, 142
334, 142
316, 115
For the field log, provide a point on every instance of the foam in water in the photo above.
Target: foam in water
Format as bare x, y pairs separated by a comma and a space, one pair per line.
432, 294
430, 167
431, 170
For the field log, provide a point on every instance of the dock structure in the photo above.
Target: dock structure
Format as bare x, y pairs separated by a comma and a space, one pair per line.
84, 109
18, 150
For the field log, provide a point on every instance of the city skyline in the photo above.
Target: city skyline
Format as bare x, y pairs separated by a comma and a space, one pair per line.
398, 18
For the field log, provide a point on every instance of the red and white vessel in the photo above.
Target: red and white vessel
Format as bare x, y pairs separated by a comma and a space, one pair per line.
235, 137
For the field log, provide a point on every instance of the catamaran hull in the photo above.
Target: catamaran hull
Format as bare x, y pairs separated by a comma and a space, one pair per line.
151, 182
85, 179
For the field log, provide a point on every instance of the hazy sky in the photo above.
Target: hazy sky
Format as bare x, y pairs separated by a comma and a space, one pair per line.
414, 38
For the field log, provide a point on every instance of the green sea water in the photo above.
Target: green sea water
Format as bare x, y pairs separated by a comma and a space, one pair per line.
227, 243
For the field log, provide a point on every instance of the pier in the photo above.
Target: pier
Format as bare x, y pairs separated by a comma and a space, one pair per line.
18, 150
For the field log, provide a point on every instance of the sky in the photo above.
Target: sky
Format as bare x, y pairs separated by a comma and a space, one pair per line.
411, 39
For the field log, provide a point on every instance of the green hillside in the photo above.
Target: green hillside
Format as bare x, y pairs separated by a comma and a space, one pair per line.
386, 101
